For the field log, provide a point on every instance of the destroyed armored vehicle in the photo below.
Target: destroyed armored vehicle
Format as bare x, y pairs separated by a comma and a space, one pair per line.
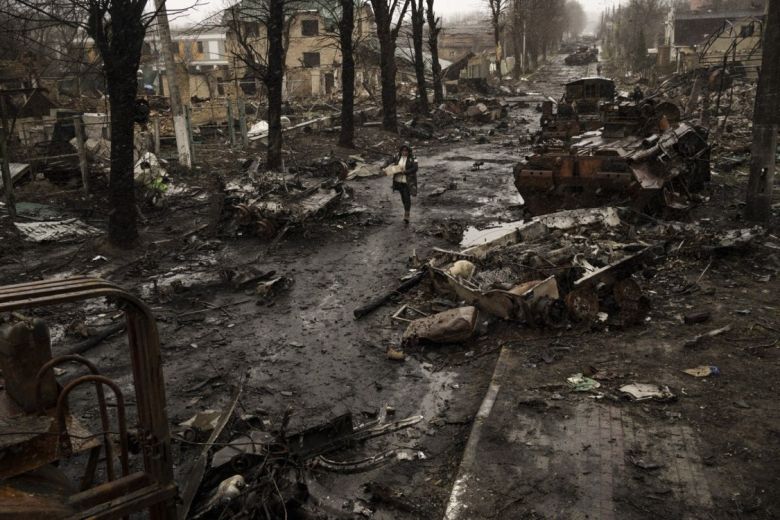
592, 103
647, 171
579, 110
254, 209
583, 56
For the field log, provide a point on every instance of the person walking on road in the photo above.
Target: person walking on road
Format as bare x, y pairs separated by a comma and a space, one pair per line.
403, 168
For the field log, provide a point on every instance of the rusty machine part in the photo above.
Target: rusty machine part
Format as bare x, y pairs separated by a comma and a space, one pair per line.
34, 443
632, 304
583, 304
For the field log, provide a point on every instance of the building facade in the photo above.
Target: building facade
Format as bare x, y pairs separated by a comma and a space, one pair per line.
313, 56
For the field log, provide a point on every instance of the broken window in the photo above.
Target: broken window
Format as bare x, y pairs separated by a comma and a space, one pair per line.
311, 28
747, 30
199, 46
311, 59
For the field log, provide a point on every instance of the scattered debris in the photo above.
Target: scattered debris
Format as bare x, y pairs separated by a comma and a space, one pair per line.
256, 209
203, 422
697, 317
18, 172
394, 354
266, 290
453, 326
56, 231
703, 371
580, 383
645, 391
407, 285
711, 334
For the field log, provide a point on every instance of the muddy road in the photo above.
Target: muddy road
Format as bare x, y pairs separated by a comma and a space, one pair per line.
303, 351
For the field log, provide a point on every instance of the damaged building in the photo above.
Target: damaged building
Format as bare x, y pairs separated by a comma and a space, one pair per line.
312, 63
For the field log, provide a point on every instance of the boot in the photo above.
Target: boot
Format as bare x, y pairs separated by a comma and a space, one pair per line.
406, 217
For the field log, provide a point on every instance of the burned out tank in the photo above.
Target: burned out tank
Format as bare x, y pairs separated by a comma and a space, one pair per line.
643, 172
592, 103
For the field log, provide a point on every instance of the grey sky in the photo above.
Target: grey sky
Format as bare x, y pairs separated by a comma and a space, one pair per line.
205, 7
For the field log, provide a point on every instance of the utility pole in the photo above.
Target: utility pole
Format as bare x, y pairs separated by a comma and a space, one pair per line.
766, 122
177, 109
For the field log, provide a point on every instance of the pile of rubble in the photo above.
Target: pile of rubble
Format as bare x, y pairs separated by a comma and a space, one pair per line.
564, 269
267, 205
270, 471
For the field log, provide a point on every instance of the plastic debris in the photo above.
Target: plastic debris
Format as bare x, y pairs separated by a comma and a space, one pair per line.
703, 371
581, 383
644, 391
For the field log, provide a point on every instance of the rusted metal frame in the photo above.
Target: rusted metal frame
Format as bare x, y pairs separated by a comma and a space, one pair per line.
62, 405
89, 473
151, 497
150, 400
104, 420
145, 356
99, 494
43, 290
77, 280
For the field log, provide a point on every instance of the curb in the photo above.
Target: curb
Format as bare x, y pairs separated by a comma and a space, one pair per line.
457, 507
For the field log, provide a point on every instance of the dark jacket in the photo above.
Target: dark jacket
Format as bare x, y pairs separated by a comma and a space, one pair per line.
410, 172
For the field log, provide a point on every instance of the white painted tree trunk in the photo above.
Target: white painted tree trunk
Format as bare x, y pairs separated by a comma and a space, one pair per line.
182, 140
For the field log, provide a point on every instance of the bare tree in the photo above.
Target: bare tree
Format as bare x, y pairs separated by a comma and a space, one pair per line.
260, 31
346, 28
517, 33
418, 22
434, 28
575, 18
387, 31
497, 9
41, 47
536, 26
766, 122
347, 37
118, 28
634, 25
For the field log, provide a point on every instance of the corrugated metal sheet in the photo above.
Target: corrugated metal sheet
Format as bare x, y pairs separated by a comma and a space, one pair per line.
59, 231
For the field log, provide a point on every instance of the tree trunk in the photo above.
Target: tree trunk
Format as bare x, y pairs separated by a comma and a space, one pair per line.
120, 49
387, 65
122, 227
418, 20
273, 81
177, 109
433, 44
346, 138
766, 121
497, 42
517, 42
